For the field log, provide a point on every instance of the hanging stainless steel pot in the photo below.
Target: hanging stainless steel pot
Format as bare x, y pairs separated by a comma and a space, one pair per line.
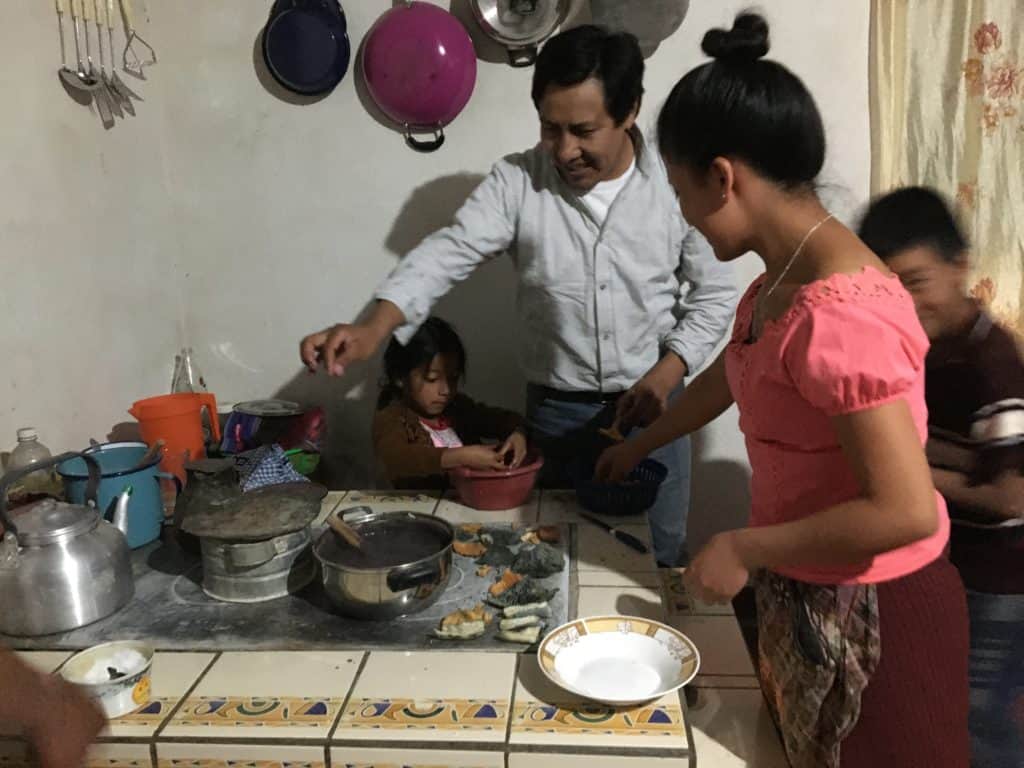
402, 567
521, 25
61, 566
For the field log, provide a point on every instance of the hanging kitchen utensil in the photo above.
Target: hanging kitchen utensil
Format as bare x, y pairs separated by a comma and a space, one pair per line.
113, 97
133, 63
652, 21
420, 69
305, 45
100, 94
125, 93
520, 25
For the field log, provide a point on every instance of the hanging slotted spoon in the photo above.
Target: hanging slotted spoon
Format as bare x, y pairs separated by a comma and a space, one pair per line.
78, 80
113, 97
122, 90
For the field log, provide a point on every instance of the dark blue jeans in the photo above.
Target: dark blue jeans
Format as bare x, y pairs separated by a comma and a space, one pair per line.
567, 434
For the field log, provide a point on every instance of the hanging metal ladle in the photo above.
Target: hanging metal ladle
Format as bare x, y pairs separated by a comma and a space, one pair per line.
77, 80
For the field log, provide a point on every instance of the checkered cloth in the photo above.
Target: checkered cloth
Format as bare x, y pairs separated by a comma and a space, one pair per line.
266, 465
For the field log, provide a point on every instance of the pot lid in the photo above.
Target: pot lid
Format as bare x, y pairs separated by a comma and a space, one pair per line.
270, 407
49, 520
274, 510
520, 21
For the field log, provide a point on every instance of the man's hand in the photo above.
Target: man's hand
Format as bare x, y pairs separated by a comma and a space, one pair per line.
646, 400
338, 347
615, 464
341, 345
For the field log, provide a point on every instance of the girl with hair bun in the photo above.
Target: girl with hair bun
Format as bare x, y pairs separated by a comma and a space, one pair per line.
862, 619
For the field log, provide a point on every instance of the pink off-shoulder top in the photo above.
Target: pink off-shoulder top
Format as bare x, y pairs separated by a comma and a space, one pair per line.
847, 343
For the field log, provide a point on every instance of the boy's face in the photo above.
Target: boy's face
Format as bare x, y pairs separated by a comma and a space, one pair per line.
937, 287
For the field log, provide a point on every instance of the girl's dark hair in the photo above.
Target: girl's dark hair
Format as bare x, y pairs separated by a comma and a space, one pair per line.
742, 105
911, 217
588, 51
434, 337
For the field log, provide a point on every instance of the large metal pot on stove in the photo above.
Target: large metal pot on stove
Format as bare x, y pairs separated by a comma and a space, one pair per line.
402, 567
61, 565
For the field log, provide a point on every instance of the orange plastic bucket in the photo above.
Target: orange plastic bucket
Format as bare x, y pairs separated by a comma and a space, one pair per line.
178, 421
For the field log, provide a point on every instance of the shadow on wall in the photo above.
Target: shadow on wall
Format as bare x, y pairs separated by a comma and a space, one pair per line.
482, 309
719, 496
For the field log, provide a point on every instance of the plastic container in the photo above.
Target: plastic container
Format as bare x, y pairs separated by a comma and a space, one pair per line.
490, 491
633, 496
177, 420
30, 451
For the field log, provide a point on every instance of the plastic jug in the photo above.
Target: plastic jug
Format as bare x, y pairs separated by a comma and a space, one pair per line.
178, 421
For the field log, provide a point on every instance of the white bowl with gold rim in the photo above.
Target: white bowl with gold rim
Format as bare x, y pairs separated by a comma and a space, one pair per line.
618, 660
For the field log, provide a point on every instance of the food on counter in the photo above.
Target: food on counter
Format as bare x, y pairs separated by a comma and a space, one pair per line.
527, 635
497, 555
501, 536
520, 622
468, 531
508, 580
550, 534
469, 548
483, 571
120, 664
464, 624
526, 590
539, 560
530, 609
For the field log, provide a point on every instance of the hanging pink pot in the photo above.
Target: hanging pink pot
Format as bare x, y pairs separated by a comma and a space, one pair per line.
420, 69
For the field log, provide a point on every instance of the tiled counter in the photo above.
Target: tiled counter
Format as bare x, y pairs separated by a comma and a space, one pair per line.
447, 709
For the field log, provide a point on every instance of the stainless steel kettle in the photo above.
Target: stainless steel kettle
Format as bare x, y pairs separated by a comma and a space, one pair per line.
61, 565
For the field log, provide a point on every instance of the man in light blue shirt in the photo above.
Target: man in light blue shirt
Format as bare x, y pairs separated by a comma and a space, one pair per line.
619, 298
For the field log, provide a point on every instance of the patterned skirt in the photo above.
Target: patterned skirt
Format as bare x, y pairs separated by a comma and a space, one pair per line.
867, 675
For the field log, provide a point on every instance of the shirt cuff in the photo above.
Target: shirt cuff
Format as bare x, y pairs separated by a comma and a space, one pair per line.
414, 315
691, 354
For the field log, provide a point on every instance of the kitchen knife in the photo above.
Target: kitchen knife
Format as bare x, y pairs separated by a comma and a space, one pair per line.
628, 539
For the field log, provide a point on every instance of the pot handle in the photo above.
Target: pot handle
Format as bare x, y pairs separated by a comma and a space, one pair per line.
522, 57
401, 579
173, 478
244, 556
11, 477
424, 146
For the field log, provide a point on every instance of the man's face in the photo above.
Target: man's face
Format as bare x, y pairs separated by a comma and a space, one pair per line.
937, 287
585, 143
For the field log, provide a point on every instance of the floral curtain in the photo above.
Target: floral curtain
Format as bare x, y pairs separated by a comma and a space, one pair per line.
947, 101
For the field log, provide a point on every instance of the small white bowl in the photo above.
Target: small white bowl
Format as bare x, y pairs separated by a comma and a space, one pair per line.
120, 695
618, 660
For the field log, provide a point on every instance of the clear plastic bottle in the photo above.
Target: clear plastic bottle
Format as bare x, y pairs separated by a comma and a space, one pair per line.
187, 377
30, 451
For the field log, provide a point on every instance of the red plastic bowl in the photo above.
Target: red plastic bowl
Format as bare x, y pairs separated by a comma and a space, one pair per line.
496, 490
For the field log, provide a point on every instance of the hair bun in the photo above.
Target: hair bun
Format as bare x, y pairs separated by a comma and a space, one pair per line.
746, 41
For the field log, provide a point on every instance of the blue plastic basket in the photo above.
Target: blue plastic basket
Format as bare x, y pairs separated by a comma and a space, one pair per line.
633, 497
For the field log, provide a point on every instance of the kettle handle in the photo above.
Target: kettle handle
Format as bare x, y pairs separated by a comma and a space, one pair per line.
11, 477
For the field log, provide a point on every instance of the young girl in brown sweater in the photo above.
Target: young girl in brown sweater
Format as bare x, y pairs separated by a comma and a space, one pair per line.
424, 426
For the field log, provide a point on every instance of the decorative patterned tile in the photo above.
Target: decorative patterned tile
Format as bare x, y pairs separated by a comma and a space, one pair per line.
546, 715
721, 646
679, 602
173, 675
598, 550
733, 729
44, 661
358, 757
284, 695
443, 696
604, 601
238, 756
454, 511
392, 501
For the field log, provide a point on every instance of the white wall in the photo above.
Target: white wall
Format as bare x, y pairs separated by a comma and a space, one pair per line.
227, 218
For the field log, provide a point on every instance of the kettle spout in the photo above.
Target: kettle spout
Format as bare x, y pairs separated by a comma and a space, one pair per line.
121, 510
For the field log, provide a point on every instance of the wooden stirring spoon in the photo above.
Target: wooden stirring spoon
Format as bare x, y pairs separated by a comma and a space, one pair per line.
345, 531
